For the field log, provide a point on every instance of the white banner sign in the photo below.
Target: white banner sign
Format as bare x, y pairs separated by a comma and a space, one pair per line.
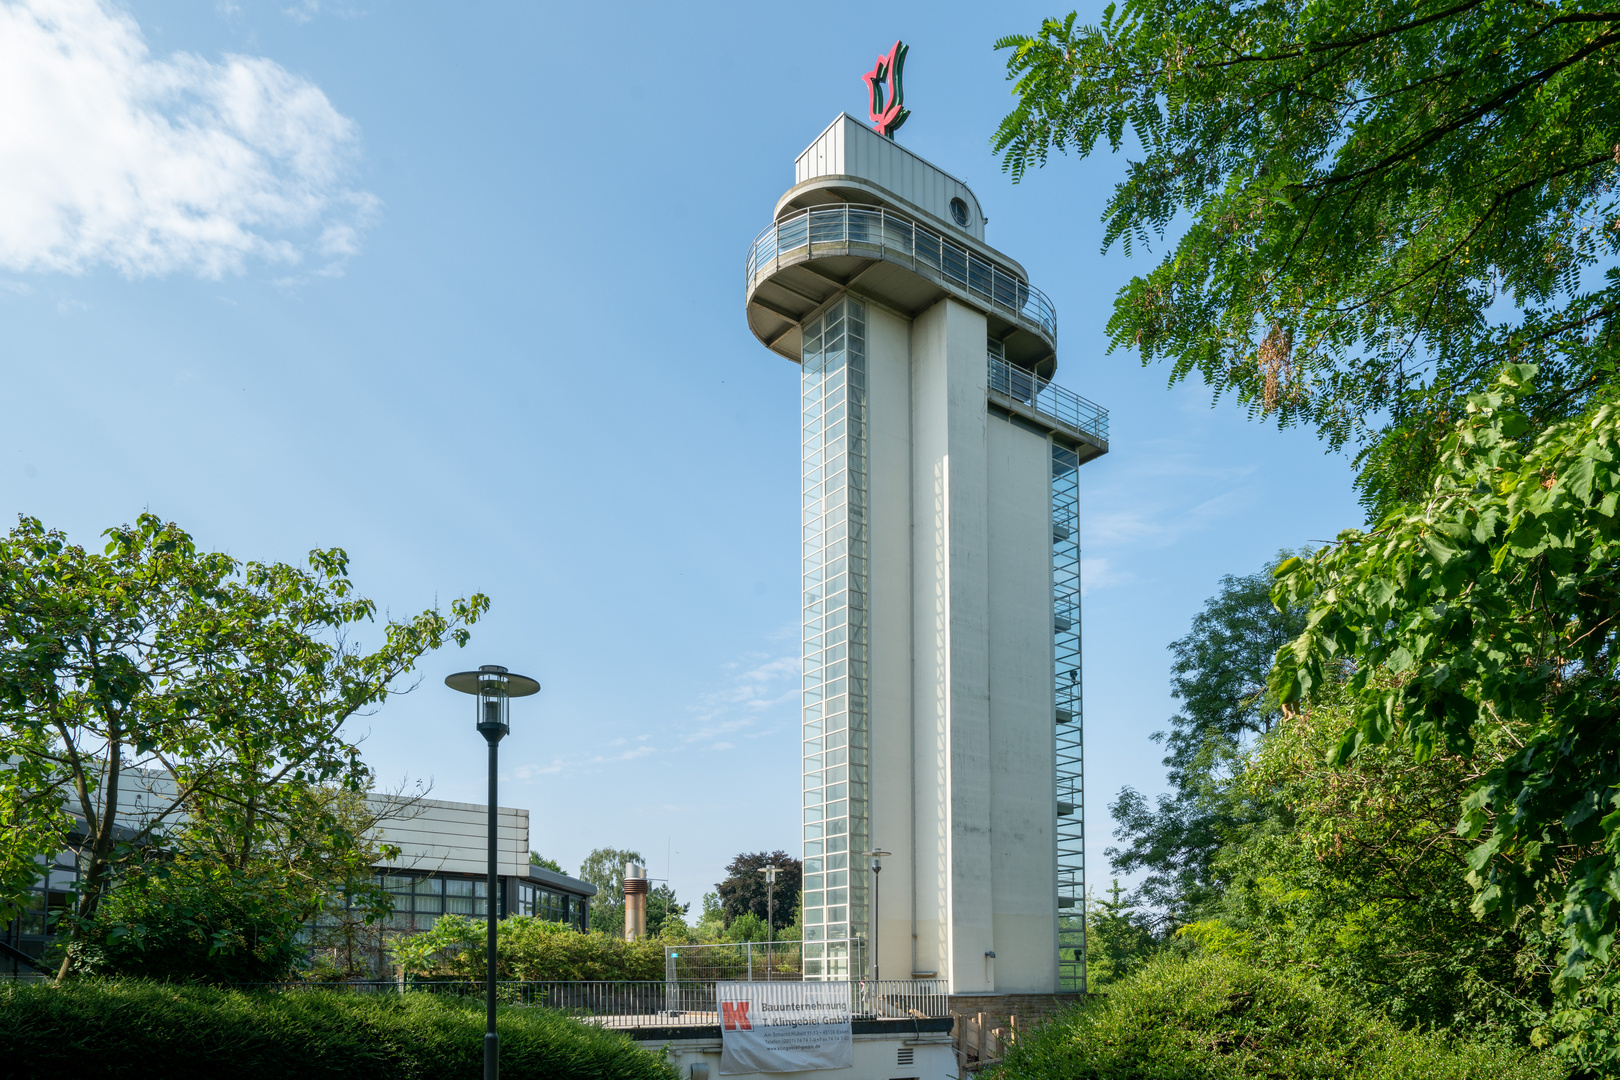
773, 1027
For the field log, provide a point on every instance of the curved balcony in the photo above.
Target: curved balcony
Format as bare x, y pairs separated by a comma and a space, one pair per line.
849, 241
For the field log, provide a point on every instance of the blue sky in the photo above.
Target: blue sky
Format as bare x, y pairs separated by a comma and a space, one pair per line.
459, 289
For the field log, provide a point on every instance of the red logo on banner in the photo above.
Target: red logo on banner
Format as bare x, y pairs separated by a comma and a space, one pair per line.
734, 1016
888, 109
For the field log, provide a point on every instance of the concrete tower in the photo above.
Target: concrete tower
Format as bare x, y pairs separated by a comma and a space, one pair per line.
941, 575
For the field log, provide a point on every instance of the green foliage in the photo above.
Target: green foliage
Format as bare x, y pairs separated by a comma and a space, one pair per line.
99, 1028
184, 920
528, 949
1219, 674
1486, 612
746, 927
1119, 939
712, 911
32, 810
537, 859
1215, 1017
663, 908
604, 868
744, 892
1491, 605
1357, 878
1378, 205
230, 680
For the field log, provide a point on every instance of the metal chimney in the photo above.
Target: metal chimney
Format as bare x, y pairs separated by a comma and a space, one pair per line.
635, 902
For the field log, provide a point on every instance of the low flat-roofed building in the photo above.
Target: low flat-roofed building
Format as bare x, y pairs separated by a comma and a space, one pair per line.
441, 870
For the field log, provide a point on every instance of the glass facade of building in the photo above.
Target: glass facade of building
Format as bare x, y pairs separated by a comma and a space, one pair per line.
833, 400
551, 904
30, 930
419, 900
1070, 727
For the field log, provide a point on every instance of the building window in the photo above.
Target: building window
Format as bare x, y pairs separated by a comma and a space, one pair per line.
834, 438
465, 897
553, 905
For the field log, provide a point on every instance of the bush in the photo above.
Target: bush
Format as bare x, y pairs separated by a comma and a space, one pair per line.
188, 921
141, 1029
1215, 1017
527, 948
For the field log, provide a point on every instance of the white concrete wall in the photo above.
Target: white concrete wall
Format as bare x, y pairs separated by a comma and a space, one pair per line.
961, 636
952, 669
851, 148
1023, 797
888, 377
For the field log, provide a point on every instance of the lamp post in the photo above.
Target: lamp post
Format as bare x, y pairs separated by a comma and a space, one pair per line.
877, 857
494, 687
770, 914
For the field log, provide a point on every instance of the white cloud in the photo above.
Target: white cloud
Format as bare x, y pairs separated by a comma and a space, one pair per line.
1098, 573
305, 11
749, 694
757, 697
112, 157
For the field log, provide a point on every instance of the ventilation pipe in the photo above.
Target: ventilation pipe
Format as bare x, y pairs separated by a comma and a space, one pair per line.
635, 902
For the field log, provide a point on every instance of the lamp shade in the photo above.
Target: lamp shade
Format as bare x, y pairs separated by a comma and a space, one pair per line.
469, 682
494, 687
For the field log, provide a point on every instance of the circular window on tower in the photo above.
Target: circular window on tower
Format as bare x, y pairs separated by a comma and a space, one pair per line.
959, 211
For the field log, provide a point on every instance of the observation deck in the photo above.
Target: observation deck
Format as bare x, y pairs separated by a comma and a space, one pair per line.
807, 256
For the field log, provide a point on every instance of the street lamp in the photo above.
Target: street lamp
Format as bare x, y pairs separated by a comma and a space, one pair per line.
877, 868
494, 687
770, 914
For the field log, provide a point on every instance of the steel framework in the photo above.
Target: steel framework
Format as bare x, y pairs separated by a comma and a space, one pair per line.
1069, 725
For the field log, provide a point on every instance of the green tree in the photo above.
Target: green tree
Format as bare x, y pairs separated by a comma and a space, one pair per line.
1219, 674
661, 906
746, 927
712, 920
1357, 877
1119, 939
217, 688
1377, 205
744, 891
604, 868
1490, 607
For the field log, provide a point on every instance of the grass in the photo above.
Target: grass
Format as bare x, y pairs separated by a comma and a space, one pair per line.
139, 1029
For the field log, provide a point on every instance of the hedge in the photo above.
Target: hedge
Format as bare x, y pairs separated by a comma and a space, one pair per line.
141, 1029
1211, 1017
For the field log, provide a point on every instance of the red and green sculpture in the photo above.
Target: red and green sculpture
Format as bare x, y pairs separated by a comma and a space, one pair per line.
888, 109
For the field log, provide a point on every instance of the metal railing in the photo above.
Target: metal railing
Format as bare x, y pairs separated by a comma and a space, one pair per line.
644, 1004
854, 228
746, 960
1049, 398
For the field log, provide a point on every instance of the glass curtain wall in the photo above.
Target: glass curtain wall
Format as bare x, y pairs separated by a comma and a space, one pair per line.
833, 399
1071, 822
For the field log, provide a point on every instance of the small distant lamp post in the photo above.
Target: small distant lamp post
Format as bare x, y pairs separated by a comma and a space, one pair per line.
877, 858
494, 687
770, 914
